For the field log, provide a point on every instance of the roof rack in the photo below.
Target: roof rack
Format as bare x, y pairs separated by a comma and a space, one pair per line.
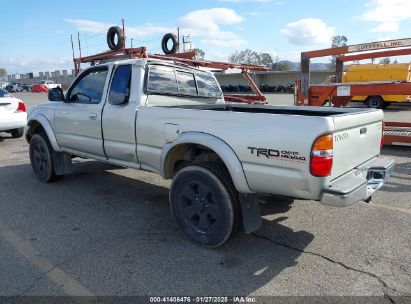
186, 58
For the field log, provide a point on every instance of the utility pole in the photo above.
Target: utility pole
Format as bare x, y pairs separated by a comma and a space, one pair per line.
131, 42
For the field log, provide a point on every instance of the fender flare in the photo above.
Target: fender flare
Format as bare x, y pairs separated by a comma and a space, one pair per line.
220, 147
43, 121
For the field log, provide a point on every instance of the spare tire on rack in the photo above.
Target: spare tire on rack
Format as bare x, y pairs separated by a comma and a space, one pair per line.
111, 38
164, 42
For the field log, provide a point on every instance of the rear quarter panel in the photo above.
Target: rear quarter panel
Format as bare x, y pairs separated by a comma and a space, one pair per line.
287, 137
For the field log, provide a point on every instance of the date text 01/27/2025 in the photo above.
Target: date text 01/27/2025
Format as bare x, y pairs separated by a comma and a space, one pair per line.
203, 299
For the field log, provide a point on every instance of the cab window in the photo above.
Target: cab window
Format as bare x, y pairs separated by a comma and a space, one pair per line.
162, 79
186, 83
181, 82
207, 85
120, 85
89, 88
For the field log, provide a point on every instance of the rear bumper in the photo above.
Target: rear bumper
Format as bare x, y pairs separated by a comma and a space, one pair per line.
13, 121
358, 184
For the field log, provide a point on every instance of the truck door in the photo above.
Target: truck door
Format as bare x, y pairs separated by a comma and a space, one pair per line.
78, 119
119, 116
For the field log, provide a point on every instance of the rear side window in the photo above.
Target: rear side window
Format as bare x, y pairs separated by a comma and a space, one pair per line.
207, 85
89, 89
162, 79
170, 80
186, 83
120, 85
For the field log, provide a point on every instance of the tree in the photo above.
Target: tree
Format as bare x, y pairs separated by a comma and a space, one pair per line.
199, 53
280, 66
337, 41
385, 60
265, 59
251, 57
3, 72
284, 66
395, 61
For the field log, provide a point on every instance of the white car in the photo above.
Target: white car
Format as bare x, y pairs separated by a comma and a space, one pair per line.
50, 84
3, 85
13, 116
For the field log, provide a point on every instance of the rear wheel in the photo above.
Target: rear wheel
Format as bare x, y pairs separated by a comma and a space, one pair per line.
41, 159
204, 204
17, 133
375, 102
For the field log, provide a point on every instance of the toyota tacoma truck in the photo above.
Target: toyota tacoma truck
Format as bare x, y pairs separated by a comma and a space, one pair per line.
172, 119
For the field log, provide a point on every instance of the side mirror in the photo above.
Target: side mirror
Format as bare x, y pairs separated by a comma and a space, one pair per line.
56, 94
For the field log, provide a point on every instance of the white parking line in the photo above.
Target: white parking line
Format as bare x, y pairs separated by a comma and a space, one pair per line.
69, 285
391, 208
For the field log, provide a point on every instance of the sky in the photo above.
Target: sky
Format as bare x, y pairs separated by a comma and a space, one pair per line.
38, 36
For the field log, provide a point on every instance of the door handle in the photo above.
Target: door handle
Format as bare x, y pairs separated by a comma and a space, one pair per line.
92, 116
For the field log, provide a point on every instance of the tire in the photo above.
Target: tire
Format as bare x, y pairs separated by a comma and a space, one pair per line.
164, 46
223, 174
17, 133
41, 158
204, 204
375, 102
111, 34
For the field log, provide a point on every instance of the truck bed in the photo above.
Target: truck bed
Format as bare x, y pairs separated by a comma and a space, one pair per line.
286, 110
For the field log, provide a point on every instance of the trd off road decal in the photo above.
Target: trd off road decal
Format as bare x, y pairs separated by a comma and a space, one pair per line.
277, 154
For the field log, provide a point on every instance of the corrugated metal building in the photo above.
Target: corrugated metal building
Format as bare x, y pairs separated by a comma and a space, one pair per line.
270, 78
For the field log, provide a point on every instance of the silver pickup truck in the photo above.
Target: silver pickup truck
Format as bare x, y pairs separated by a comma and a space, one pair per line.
172, 119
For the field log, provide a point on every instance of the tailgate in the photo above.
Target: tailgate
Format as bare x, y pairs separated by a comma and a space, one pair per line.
357, 138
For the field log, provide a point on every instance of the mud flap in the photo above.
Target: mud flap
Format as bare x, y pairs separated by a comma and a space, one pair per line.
62, 163
250, 209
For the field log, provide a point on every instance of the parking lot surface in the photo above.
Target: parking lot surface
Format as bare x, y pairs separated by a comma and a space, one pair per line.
106, 230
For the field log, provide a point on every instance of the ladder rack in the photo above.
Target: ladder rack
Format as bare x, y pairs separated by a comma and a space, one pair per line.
187, 58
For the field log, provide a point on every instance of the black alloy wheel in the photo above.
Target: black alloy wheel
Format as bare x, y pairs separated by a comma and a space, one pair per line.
204, 203
41, 159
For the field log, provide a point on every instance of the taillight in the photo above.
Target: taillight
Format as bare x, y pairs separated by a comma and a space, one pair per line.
382, 135
21, 107
322, 156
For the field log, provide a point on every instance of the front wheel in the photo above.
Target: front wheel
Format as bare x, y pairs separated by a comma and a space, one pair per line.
41, 159
204, 205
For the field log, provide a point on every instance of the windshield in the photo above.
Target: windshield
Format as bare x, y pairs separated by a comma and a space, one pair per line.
4, 93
